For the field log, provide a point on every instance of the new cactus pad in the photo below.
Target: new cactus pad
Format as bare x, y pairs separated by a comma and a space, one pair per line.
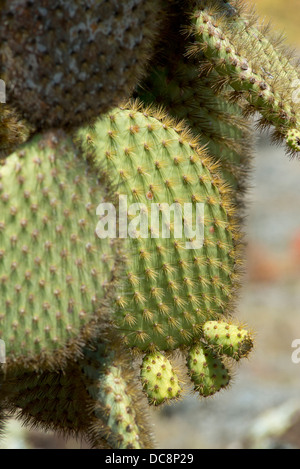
64, 62
228, 339
95, 396
159, 379
207, 371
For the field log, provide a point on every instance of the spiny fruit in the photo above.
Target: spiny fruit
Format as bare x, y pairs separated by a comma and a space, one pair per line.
263, 84
54, 271
159, 380
228, 339
207, 371
64, 62
175, 279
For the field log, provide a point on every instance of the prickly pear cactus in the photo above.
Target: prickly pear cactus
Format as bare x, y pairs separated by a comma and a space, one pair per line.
176, 278
121, 235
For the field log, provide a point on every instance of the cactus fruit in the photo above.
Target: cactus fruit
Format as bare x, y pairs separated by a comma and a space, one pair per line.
159, 380
207, 371
257, 80
64, 62
228, 339
54, 271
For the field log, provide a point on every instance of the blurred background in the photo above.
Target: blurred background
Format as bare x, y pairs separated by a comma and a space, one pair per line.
262, 407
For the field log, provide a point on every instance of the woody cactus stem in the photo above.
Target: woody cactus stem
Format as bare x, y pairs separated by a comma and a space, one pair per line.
265, 88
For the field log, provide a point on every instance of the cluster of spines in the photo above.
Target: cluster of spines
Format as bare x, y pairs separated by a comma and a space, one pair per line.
233, 57
13, 130
169, 291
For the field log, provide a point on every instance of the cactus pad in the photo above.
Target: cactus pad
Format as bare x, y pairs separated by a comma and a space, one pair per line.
13, 130
159, 380
54, 271
207, 371
228, 339
173, 285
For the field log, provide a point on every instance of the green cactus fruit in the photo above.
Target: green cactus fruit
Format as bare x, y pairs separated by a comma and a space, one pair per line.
228, 339
159, 380
55, 274
207, 371
251, 76
13, 130
175, 280
64, 62
293, 139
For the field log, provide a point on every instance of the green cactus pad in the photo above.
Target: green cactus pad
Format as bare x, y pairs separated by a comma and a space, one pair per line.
228, 339
207, 371
121, 425
171, 286
64, 62
54, 271
265, 86
176, 85
159, 379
